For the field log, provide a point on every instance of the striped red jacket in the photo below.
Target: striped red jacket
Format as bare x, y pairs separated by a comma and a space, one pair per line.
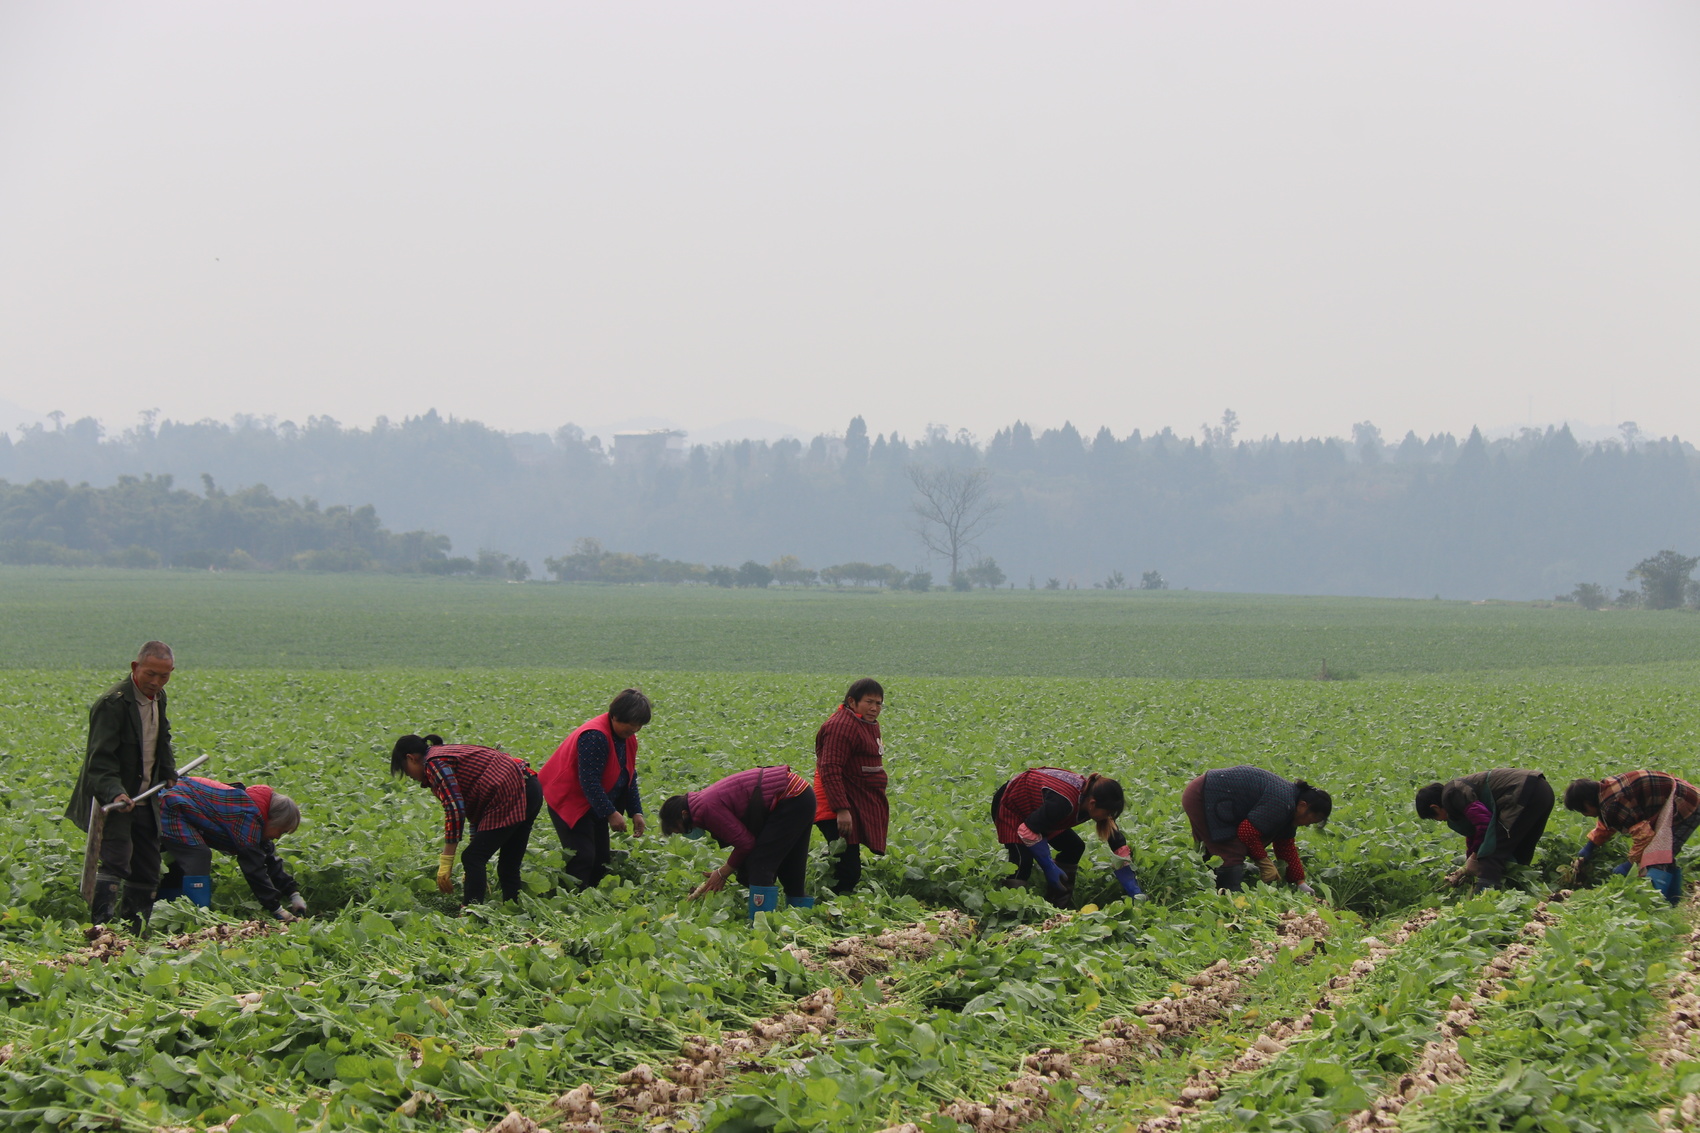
477, 783
1024, 795
850, 774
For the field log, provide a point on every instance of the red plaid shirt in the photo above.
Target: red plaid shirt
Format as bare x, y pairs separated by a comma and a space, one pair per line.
205, 812
477, 783
1630, 804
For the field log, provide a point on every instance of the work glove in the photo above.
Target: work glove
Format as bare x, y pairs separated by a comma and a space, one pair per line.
298, 905
1267, 871
1471, 867
1053, 872
282, 915
1587, 851
445, 872
1305, 889
1130, 884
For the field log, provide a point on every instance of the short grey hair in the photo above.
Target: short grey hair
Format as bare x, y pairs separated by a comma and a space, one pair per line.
155, 649
284, 812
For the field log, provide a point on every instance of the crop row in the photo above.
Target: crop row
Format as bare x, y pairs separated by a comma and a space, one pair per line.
1547, 1036
341, 1019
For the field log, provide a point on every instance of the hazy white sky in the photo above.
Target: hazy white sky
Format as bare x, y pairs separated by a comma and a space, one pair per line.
1428, 215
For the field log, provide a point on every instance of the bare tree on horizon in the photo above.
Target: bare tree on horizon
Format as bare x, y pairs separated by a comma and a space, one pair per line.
954, 507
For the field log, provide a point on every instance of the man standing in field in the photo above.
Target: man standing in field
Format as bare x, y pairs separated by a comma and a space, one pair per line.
129, 750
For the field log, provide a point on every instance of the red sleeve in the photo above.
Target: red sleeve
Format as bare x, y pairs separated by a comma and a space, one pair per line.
440, 776
1288, 851
1252, 839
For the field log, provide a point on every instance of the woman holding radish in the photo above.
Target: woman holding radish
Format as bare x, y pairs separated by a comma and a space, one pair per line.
496, 792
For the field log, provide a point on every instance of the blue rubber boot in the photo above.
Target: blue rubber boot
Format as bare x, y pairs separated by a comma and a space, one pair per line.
198, 888
801, 902
763, 899
1667, 879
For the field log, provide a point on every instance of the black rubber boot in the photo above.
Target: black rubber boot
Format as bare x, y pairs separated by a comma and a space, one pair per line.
138, 908
1229, 876
105, 903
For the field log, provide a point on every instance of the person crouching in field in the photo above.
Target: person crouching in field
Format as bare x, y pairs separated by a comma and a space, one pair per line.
766, 815
1237, 811
496, 791
1501, 814
1035, 813
591, 785
850, 781
1659, 813
198, 816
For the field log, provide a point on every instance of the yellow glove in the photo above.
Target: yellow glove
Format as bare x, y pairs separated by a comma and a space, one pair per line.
1267, 871
445, 872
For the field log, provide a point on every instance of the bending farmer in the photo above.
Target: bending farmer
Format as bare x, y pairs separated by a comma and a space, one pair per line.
1659, 812
1035, 813
497, 792
198, 816
1501, 814
766, 816
1237, 811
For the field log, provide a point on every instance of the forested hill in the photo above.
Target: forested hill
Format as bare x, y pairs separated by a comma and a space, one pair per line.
1524, 517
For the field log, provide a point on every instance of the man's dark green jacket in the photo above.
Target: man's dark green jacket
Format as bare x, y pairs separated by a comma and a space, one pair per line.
113, 765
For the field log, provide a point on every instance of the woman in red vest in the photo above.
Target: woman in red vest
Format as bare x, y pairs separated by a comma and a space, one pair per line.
591, 785
850, 781
1035, 813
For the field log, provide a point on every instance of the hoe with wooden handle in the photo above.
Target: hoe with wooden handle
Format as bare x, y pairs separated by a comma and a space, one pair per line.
97, 826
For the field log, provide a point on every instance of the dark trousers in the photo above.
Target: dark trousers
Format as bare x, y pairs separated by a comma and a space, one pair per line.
1066, 850
847, 871
1518, 844
782, 847
130, 861
507, 841
587, 843
186, 861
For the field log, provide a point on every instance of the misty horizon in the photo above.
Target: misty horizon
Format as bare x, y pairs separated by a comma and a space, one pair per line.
1319, 213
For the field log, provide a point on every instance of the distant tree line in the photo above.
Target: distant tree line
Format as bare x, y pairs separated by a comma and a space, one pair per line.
1512, 518
146, 522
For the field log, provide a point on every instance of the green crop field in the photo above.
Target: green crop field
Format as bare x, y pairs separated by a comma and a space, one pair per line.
934, 999
67, 619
